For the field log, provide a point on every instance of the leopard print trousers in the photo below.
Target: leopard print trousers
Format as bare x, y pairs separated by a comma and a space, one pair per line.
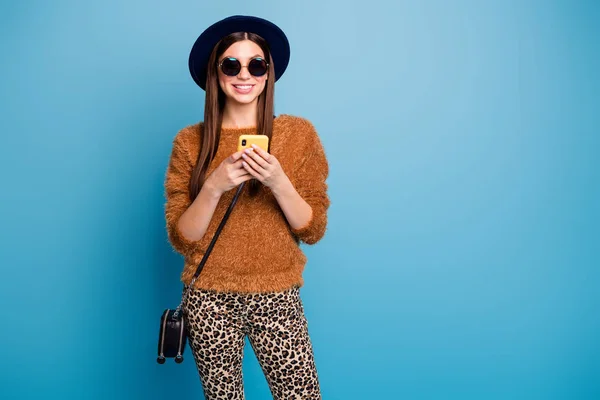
277, 330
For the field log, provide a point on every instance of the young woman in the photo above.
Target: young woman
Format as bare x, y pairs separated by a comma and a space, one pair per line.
250, 284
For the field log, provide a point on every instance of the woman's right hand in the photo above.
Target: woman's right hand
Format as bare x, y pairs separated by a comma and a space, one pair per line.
229, 174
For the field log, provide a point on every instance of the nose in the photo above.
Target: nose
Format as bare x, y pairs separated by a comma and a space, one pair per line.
244, 74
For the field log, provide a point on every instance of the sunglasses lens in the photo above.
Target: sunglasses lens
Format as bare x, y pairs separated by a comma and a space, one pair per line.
257, 67
230, 66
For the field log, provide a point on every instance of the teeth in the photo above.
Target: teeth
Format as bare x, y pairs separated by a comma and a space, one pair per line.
243, 86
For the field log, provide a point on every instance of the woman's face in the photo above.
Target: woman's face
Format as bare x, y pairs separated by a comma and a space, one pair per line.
243, 88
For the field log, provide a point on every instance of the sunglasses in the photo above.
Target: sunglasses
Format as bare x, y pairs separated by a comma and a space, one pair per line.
231, 66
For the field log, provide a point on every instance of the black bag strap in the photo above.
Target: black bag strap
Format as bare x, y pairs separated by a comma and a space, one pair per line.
217, 232
209, 248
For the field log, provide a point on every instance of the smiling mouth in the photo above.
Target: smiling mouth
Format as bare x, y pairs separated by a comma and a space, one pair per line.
243, 87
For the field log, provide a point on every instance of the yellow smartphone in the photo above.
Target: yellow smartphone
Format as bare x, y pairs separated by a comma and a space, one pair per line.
246, 141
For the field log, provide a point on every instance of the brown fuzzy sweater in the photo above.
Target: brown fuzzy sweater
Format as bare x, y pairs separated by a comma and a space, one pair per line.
257, 250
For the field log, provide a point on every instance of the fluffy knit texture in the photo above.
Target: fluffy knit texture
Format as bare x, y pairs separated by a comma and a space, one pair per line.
257, 250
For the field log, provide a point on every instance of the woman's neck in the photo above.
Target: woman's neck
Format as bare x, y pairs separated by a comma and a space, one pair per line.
239, 115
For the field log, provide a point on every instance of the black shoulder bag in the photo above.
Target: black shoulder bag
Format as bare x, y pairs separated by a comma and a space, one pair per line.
172, 336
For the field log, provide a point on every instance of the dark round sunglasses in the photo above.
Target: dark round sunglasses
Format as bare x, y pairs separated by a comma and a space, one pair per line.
231, 66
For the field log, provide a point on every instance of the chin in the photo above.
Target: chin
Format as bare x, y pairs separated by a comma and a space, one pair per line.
243, 98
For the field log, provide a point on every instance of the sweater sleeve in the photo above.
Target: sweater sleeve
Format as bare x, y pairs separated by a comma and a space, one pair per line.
310, 182
177, 194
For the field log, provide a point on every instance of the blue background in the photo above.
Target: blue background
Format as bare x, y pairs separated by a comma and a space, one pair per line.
461, 260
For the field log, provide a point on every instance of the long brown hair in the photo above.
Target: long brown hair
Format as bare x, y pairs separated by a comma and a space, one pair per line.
215, 103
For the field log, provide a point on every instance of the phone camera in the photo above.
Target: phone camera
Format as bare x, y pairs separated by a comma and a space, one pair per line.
243, 142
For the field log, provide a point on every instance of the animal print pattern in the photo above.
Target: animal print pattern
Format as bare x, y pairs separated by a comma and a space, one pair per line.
277, 329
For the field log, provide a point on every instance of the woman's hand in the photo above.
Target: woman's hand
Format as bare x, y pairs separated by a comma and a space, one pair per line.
229, 174
264, 167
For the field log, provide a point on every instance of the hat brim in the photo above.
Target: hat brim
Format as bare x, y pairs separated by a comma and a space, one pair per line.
204, 45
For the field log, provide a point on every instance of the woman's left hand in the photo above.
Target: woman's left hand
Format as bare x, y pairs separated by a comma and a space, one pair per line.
264, 167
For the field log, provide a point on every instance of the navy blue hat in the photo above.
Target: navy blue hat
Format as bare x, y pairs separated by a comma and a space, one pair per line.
204, 45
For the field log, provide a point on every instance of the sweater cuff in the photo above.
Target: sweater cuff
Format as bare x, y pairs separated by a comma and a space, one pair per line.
180, 242
314, 229
306, 229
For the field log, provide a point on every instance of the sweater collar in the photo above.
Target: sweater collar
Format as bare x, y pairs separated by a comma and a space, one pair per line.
248, 130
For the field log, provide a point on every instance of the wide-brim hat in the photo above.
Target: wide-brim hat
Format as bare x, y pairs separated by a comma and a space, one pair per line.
204, 45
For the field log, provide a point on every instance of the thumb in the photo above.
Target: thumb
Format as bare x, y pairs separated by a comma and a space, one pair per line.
235, 156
